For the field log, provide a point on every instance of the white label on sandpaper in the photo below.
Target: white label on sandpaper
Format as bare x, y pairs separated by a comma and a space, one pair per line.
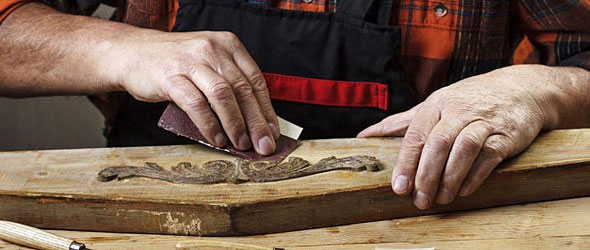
289, 129
104, 12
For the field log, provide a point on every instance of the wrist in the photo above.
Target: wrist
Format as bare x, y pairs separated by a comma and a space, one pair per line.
535, 82
108, 66
116, 55
572, 101
560, 93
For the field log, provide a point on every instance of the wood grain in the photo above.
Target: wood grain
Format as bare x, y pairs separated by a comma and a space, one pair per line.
32, 237
58, 189
562, 224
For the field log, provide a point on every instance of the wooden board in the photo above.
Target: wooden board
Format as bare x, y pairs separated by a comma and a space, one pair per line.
559, 224
58, 189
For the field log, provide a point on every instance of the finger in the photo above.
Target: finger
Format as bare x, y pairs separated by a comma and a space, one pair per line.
221, 96
395, 125
407, 161
463, 154
433, 160
496, 148
259, 87
258, 129
190, 99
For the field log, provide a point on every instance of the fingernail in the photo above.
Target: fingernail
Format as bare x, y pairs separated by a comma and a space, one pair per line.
274, 130
220, 140
401, 184
266, 145
422, 201
444, 196
244, 142
464, 191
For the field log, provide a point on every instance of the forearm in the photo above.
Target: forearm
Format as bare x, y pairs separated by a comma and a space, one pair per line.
45, 52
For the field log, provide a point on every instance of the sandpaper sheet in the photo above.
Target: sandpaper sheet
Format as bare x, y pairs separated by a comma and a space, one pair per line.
177, 121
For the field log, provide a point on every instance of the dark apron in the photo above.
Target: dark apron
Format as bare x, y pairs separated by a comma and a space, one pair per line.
333, 74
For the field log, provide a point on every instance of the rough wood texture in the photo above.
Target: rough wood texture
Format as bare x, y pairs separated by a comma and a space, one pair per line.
547, 225
59, 189
218, 171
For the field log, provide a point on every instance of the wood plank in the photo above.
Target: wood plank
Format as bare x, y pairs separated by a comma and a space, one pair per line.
533, 243
529, 243
58, 189
559, 224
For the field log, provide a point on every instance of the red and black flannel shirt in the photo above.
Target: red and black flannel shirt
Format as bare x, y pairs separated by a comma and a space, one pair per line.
444, 41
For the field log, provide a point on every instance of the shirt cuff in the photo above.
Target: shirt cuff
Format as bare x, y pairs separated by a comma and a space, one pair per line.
581, 60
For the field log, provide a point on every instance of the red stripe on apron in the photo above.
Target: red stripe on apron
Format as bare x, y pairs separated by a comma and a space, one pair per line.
327, 92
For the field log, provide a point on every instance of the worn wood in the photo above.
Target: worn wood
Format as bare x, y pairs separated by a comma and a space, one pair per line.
59, 189
560, 224
204, 244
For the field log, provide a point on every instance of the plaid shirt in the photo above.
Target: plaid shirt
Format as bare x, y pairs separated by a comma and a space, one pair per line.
444, 41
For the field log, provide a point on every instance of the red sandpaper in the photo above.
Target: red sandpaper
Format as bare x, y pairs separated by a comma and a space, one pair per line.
177, 121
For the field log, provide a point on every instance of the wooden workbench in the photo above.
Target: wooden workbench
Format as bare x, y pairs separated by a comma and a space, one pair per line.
563, 224
58, 189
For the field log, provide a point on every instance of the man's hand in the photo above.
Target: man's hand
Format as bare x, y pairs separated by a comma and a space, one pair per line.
210, 75
459, 134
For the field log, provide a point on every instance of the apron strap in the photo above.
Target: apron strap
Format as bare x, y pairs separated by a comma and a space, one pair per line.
377, 11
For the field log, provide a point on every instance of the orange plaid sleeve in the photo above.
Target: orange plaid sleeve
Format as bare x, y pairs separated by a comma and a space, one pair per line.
7, 6
557, 32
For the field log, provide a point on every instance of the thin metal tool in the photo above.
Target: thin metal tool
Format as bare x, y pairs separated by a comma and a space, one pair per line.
36, 238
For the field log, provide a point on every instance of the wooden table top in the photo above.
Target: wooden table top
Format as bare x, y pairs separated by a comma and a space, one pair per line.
58, 189
563, 224
556, 166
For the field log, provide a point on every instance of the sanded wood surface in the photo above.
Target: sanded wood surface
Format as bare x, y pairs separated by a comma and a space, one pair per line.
59, 189
563, 224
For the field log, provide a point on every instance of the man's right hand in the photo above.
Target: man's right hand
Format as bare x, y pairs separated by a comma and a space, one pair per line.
210, 75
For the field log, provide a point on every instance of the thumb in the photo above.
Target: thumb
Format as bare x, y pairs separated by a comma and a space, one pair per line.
395, 125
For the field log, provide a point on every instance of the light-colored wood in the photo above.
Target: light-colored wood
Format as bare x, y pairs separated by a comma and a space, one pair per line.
32, 237
207, 244
563, 224
58, 189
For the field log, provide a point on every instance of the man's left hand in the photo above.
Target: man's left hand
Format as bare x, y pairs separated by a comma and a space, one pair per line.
459, 134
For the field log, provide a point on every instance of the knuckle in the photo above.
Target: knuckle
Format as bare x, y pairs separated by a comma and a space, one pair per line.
205, 44
439, 140
195, 103
242, 88
257, 124
258, 82
468, 144
424, 181
229, 36
221, 91
176, 82
208, 125
232, 40
414, 138
507, 123
436, 97
493, 152
235, 124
